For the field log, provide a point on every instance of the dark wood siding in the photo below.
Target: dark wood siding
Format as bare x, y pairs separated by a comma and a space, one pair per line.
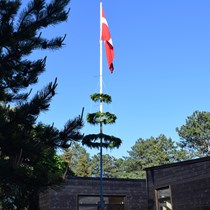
66, 196
189, 182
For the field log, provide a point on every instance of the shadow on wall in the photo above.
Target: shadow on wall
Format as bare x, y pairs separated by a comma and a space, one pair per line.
151, 203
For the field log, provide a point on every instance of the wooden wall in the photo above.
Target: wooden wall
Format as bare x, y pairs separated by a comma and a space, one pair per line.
66, 196
189, 182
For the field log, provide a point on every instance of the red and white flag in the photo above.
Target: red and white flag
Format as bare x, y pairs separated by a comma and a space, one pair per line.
106, 37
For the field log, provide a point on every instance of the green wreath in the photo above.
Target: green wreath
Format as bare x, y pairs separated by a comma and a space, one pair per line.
107, 141
101, 97
98, 117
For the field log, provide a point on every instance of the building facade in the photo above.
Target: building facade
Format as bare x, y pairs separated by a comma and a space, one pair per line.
84, 194
179, 186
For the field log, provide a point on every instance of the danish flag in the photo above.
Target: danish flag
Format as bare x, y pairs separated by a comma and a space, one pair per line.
106, 37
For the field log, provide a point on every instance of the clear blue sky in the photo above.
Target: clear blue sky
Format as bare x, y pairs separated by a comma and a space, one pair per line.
162, 66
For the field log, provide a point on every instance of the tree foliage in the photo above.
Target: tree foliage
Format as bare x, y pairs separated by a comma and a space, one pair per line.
111, 166
144, 153
28, 159
152, 152
78, 159
81, 164
195, 134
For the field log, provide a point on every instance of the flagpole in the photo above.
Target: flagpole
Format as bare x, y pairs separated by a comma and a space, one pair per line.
101, 90
101, 110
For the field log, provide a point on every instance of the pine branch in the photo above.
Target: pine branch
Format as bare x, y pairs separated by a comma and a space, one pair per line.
71, 132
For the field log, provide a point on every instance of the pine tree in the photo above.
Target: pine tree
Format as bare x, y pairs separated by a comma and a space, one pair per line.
151, 152
78, 160
110, 166
28, 158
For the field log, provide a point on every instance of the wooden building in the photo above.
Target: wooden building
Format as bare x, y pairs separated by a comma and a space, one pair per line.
84, 194
179, 186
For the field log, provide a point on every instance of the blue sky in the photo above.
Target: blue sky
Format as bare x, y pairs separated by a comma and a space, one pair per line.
162, 66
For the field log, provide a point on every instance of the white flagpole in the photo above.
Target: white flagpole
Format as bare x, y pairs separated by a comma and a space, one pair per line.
101, 90
101, 110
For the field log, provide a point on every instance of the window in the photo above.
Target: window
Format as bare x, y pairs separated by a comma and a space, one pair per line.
163, 198
93, 202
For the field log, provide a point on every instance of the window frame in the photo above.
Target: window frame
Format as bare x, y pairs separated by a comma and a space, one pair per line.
122, 206
156, 196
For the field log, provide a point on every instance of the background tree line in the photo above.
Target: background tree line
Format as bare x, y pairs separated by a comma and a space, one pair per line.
194, 143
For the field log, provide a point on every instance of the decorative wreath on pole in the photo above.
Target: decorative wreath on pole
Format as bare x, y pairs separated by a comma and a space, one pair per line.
106, 141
